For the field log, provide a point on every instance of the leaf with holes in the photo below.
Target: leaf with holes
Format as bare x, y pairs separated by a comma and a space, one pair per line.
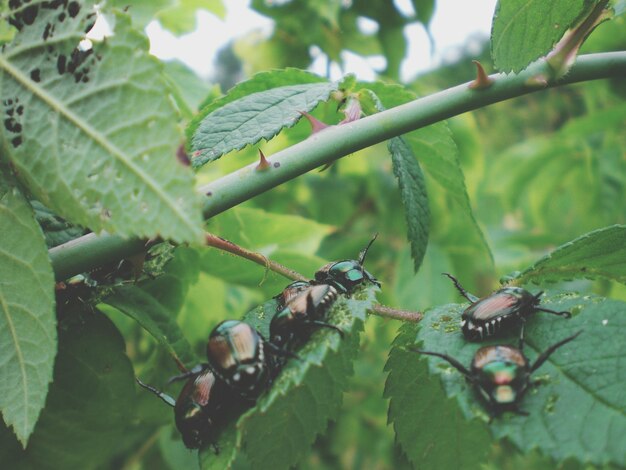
257, 109
577, 408
598, 254
119, 175
303, 398
27, 322
524, 30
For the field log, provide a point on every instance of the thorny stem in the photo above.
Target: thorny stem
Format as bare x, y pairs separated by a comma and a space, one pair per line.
90, 251
230, 247
404, 315
225, 245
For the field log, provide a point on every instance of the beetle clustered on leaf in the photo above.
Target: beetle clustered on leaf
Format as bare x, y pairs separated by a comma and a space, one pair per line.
242, 364
500, 373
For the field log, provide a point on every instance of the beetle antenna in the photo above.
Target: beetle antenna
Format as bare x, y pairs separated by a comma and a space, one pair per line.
564, 313
327, 325
453, 362
546, 354
461, 289
166, 398
363, 252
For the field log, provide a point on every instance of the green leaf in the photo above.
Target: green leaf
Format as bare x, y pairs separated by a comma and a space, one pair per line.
55, 230
429, 427
174, 453
437, 153
142, 11
154, 318
119, 175
598, 254
27, 322
90, 404
177, 16
188, 88
259, 82
250, 114
181, 17
414, 197
524, 30
257, 229
303, 397
434, 287
424, 10
286, 239
577, 410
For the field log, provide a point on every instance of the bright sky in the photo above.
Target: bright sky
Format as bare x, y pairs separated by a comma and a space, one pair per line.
454, 21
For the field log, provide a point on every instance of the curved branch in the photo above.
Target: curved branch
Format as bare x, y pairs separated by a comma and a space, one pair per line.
88, 252
225, 245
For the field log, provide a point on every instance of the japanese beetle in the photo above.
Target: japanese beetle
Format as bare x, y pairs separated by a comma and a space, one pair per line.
346, 275
305, 310
291, 291
501, 374
504, 308
198, 409
237, 355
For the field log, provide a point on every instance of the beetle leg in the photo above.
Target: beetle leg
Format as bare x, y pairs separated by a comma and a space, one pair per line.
163, 396
216, 448
195, 371
543, 357
521, 335
453, 362
282, 352
564, 313
327, 325
520, 412
459, 287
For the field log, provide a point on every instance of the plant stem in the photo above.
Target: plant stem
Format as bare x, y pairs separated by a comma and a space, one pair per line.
88, 252
225, 245
403, 315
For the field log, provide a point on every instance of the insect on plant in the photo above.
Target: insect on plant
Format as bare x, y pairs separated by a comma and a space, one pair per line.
501, 373
498, 311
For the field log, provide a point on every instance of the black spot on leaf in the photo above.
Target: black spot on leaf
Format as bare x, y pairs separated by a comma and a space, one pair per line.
61, 17
17, 141
29, 14
61, 62
48, 31
12, 125
35, 75
20, 109
77, 59
73, 8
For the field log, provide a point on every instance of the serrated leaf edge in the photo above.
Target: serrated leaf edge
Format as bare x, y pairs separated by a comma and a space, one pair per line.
99, 139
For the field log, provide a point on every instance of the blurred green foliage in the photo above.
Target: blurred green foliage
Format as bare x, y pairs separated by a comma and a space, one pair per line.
540, 170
